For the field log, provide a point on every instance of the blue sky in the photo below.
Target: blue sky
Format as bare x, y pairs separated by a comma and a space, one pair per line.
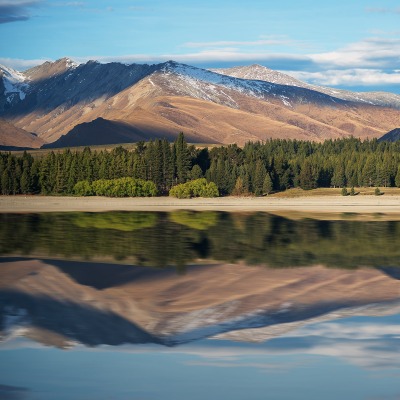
343, 43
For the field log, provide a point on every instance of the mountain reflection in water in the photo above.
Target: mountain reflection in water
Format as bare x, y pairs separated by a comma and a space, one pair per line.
168, 298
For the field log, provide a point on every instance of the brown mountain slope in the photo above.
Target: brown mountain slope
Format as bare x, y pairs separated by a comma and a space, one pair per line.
11, 136
154, 109
165, 99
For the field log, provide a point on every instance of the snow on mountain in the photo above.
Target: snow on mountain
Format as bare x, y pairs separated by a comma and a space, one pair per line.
197, 77
257, 102
14, 84
262, 73
207, 84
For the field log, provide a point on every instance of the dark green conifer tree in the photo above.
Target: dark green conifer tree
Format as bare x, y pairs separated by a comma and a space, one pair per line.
182, 159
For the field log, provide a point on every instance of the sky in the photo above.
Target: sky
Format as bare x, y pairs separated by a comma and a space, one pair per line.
350, 44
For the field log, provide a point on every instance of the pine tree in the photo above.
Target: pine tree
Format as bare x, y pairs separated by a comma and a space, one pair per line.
196, 172
25, 182
158, 165
182, 159
338, 178
267, 186
259, 177
307, 177
6, 184
397, 179
369, 171
168, 166
239, 188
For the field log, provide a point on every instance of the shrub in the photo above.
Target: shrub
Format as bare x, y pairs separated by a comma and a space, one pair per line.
83, 188
344, 192
197, 188
377, 192
122, 187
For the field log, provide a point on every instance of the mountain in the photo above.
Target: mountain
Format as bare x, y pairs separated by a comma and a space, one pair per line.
101, 131
13, 87
60, 303
12, 138
392, 136
146, 101
259, 72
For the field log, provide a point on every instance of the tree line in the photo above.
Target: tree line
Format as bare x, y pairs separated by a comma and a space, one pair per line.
257, 168
183, 237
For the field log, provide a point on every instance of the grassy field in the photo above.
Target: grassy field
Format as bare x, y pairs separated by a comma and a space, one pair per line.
360, 191
108, 147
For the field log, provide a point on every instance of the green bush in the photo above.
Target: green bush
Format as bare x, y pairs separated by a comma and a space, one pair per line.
83, 188
197, 188
344, 192
122, 187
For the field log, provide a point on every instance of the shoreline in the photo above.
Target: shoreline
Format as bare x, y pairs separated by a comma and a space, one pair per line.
387, 207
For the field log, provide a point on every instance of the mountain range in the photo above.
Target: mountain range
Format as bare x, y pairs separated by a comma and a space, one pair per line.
62, 103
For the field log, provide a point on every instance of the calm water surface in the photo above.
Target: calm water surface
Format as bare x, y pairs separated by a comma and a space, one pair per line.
190, 305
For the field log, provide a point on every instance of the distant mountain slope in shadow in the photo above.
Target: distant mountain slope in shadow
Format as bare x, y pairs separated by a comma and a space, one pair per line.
392, 136
98, 132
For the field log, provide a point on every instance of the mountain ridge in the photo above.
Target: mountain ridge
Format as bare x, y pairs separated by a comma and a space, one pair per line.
262, 73
171, 97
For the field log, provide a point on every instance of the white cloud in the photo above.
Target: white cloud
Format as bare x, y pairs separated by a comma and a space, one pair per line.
369, 62
372, 52
349, 77
208, 56
20, 64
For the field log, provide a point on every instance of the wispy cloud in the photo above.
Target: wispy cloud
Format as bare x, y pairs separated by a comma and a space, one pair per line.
224, 43
16, 10
21, 64
371, 52
76, 4
369, 62
349, 77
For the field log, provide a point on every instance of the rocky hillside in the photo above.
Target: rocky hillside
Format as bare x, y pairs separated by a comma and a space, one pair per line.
58, 102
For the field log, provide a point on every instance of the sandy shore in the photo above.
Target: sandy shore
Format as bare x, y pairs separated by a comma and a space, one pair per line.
385, 206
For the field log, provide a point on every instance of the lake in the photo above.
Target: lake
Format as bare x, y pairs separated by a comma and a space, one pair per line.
198, 305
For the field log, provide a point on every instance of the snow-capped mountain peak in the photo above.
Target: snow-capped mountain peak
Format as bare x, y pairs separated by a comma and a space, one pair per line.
260, 73
15, 86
